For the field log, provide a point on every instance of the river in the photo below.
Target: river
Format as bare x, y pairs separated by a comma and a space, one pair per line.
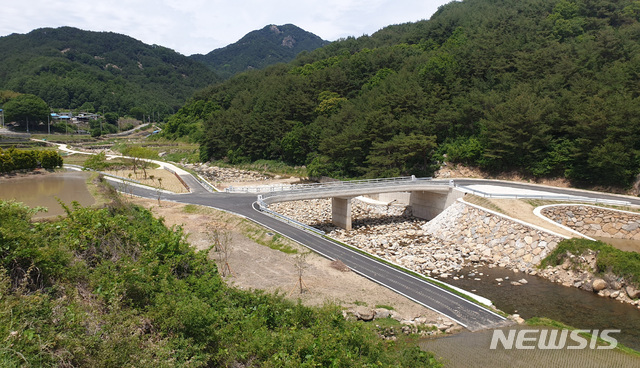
542, 298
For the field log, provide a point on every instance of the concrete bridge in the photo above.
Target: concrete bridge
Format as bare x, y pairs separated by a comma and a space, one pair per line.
427, 197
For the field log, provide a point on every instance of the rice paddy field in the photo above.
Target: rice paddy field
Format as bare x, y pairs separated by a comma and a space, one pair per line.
472, 349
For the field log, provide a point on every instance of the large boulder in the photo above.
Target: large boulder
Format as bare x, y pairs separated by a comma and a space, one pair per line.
632, 292
598, 284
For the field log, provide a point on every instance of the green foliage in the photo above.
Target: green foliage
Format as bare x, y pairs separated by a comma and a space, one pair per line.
96, 162
609, 259
114, 287
26, 108
50, 159
13, 159
71, 68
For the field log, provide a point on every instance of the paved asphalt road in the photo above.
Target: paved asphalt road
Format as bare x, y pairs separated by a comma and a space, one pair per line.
466, 313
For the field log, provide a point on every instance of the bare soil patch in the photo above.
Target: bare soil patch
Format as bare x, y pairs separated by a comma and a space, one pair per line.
256, 266
168, 180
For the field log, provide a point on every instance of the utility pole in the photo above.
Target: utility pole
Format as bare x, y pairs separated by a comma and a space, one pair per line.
27, 124
49, 123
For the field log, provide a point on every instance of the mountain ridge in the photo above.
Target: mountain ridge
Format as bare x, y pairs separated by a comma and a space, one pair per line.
69, 67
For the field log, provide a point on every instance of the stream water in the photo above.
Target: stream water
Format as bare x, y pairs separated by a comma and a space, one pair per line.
542, 298
43, 189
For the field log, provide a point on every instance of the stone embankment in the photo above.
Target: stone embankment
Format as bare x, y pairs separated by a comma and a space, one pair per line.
215, 174
596, 221
482, 236
460, 236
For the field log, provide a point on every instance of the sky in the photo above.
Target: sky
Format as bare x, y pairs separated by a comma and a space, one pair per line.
200, 26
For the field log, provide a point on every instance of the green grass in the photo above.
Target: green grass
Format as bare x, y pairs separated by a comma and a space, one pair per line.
262, 236
383, 306
609, 259
360, 303
191, 209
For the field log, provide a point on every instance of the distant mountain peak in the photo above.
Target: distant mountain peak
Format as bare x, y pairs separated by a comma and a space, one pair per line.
261, 48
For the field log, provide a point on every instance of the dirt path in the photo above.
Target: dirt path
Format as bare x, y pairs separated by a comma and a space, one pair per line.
256, 266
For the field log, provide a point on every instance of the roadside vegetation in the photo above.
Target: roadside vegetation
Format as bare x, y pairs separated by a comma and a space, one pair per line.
113, 286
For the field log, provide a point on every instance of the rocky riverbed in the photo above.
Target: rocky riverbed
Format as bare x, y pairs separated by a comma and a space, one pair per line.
389, 232
579, 271
461, 236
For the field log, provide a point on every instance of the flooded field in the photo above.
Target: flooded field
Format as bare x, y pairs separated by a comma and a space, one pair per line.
473, 349
43, 189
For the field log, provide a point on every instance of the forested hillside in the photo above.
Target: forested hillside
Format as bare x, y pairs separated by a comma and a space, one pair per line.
258, 49
71, 68
544, 87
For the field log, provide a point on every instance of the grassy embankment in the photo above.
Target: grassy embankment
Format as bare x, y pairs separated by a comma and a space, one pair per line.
609, 259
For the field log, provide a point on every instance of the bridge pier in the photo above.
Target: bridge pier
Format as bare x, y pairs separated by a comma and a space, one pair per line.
341, 212
429, 204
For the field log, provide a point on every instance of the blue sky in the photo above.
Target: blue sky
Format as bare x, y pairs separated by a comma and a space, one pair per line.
199, 26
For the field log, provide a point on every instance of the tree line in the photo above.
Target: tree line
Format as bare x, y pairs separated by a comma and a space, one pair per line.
545, 88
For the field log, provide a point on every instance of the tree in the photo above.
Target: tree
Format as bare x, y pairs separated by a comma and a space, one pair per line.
223, 245
139, 156
111, 118
25, 108
403, 155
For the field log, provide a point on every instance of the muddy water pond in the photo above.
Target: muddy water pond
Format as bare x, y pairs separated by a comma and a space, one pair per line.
43, 189
542, 298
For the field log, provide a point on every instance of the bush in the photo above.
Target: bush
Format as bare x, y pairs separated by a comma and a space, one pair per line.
50, 160
115, 287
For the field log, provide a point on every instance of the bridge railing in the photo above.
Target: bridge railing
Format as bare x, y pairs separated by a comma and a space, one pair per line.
264, 208
364, 183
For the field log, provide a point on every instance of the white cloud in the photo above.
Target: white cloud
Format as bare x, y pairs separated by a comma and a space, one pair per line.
199, 26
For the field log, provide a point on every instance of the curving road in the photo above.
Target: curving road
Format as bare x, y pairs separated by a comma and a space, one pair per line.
470, 315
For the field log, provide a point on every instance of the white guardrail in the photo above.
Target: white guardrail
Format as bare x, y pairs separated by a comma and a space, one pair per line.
365, 183
264, 208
